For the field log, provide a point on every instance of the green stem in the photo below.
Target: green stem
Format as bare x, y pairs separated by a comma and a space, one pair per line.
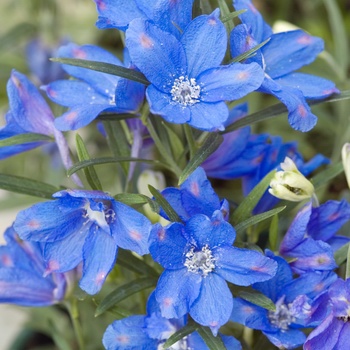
190, 139
72, 307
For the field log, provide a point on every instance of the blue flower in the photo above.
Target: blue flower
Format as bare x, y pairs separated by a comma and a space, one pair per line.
188, 85
299, 49
170, 16
296, 301
334, 331
92, 92
86, 226
152, 330
198, 258
22, 280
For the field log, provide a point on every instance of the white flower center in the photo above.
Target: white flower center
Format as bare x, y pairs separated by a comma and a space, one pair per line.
282, 317
201, 262
185, 91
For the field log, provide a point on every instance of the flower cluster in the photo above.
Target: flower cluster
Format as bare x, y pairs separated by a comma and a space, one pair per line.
170, 107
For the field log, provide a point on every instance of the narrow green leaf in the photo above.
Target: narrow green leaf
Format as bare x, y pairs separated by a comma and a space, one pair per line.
108, 116
242, 226
326, 175
124, 292
213, 343
273, 233
341, 254
225, 12
347, 271
259, 299
106, 160
180, 334
23, 185
137, 199
232, 15
105, 68
210, 145
119, 313
24, 138
176, 145
132, 263
172, 215
90, 173
278, 109
243, 211
250, 52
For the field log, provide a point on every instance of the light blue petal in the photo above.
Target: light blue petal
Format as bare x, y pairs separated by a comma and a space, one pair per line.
287, 339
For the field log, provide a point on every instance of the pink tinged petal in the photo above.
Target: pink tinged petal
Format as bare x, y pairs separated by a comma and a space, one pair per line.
176, 291
99, 254
242, 266
227, 83
205, 42
158, 54
214, 304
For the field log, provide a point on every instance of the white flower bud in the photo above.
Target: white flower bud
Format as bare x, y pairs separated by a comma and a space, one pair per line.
290, 184
345, 155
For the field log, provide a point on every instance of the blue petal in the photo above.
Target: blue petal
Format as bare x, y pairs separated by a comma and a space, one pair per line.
312, 164
205, 42
242, 266
227, 83
208, 116
287, 339
162, 104
213, 306
174, 197
158, 54
117, 13
299, 116
311, 86
99, 254
176, 291
130, 229
128, 334
167, 245
299, 49
129, 95
253, 19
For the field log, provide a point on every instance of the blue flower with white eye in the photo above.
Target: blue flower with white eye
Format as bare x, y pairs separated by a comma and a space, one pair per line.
296, 304
84, 226
22, 280
188, 85
198, 259
92, 92
171, 16
280, 58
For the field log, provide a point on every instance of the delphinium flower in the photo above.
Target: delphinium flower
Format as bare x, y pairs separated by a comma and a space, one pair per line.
170, 16
333, 332
195, 196
151, 331
92, 92
280, 58
188, 85
295, 303
86, 226
198, 258
29, 113
22, 280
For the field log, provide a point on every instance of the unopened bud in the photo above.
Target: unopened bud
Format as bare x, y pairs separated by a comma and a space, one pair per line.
290, 184
345, 155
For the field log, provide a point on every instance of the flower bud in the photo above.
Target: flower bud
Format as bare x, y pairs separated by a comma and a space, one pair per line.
345, 155
290, 184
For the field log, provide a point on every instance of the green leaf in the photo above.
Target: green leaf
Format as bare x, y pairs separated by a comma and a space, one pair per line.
242, 226
213, 343
132, 263
210, 145
57, 337
170, 212
124, 292
23, 185
278, 109
24, 138
176, 145
105, 68
341, 254
180, 334
106, 160
273, 233
108, 116
243, 211
90, 173
328, 174
225, 12
137, 199
259, 299
250, 52
232, 15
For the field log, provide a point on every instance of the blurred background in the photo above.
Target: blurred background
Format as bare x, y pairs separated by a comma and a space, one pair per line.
31, 31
